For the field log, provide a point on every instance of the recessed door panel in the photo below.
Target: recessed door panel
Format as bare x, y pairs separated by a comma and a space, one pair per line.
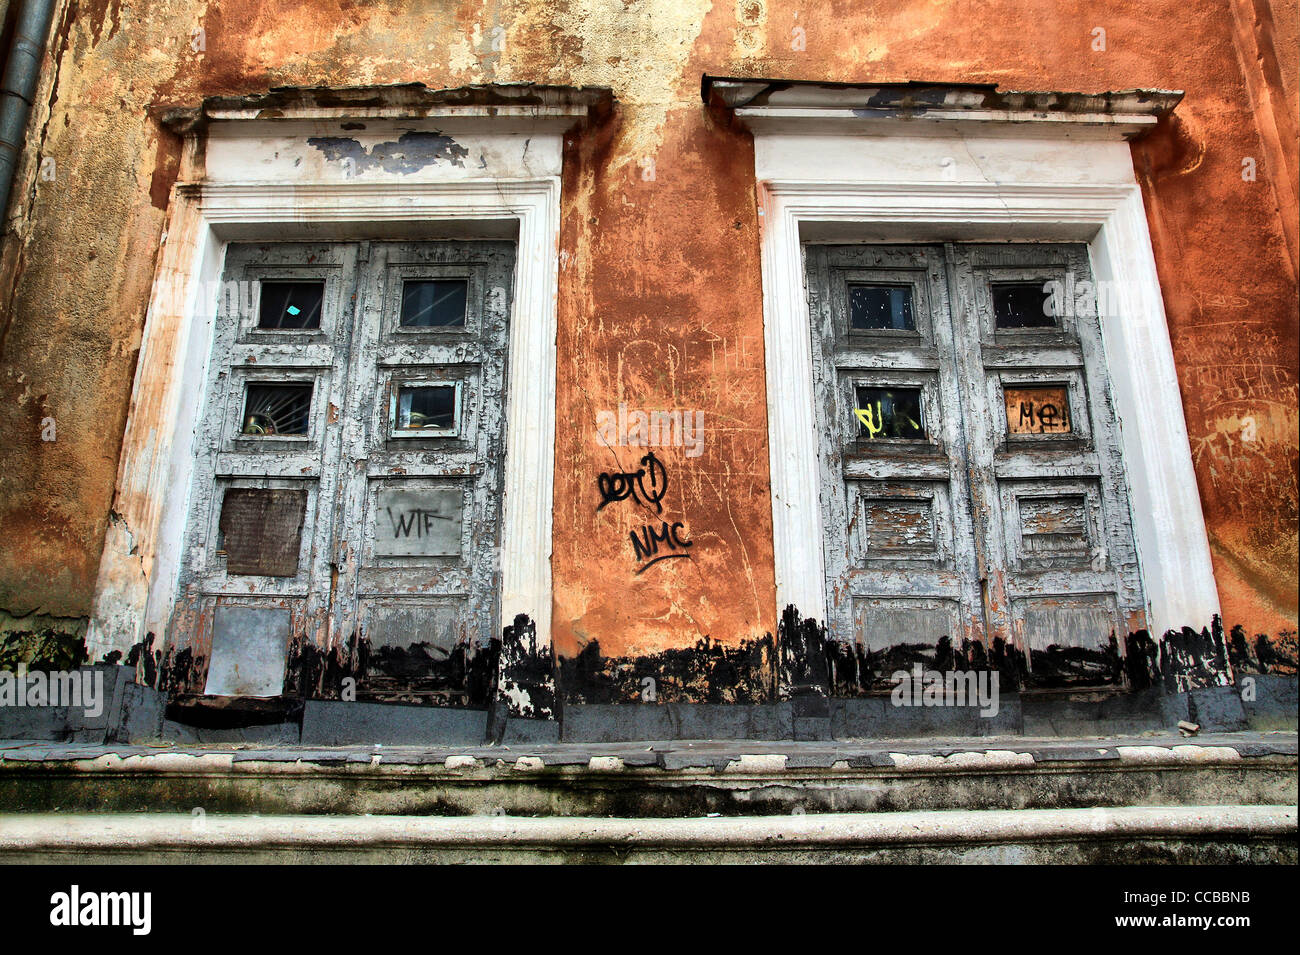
970, 453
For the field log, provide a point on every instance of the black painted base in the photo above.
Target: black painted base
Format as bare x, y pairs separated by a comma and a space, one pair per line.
123, 711
334, 723
614, 722
876, 717
135, 713
505, 730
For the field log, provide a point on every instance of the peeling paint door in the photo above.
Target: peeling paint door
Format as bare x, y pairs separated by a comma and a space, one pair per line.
348, 469
972, 486
423, 458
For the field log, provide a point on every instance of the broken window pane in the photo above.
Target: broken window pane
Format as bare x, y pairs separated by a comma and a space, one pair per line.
291, 304
275, 409
1023, 305
873, 307
884, 412
434, 303
426, 407
1041, 409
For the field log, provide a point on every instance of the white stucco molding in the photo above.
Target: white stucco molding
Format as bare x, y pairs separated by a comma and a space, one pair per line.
897, 183
793, 106
246, 176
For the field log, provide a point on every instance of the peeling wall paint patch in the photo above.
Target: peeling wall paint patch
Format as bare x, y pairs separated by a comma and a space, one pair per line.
410, 153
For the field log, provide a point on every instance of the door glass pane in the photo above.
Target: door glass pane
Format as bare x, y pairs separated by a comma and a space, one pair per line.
1041, 409
434, 303
884, 412
276, 409
291, 305
1022, 305
875, 307
426, 407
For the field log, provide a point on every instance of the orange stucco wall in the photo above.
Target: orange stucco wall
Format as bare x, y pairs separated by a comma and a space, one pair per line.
660, 296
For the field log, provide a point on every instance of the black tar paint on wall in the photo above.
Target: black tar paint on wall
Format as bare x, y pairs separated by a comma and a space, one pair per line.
799, 662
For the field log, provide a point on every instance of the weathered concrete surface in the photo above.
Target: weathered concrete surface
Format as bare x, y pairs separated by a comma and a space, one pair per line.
1276, 704
331, 723
1205, 834
661, 779
126, 711
659, 298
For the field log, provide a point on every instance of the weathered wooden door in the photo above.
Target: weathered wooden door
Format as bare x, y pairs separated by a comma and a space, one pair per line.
423, 458
349, 452
972, 485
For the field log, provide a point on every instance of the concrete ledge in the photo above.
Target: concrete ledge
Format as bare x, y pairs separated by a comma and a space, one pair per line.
136, 714
674, 756
1086, 714
666, 779
269, 734
1275, 703
1246, 833
873, 717
1217, 709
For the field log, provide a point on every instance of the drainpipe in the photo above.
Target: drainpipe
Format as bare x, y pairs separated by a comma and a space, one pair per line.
22, 70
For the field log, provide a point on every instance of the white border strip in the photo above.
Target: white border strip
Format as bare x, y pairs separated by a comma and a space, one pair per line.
141, 559
1169, 527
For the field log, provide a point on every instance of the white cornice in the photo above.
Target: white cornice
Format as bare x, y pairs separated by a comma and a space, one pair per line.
504, 105
795, 106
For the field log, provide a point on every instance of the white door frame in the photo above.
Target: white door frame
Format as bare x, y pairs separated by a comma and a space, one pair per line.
505, 197
1062, 202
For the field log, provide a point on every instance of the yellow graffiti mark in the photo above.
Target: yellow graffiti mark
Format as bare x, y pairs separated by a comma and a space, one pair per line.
871, 419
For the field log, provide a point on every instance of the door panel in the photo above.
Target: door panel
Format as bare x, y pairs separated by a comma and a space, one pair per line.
1067, 571
348, 477
972, 485
265, 470
899, 551
425, 464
